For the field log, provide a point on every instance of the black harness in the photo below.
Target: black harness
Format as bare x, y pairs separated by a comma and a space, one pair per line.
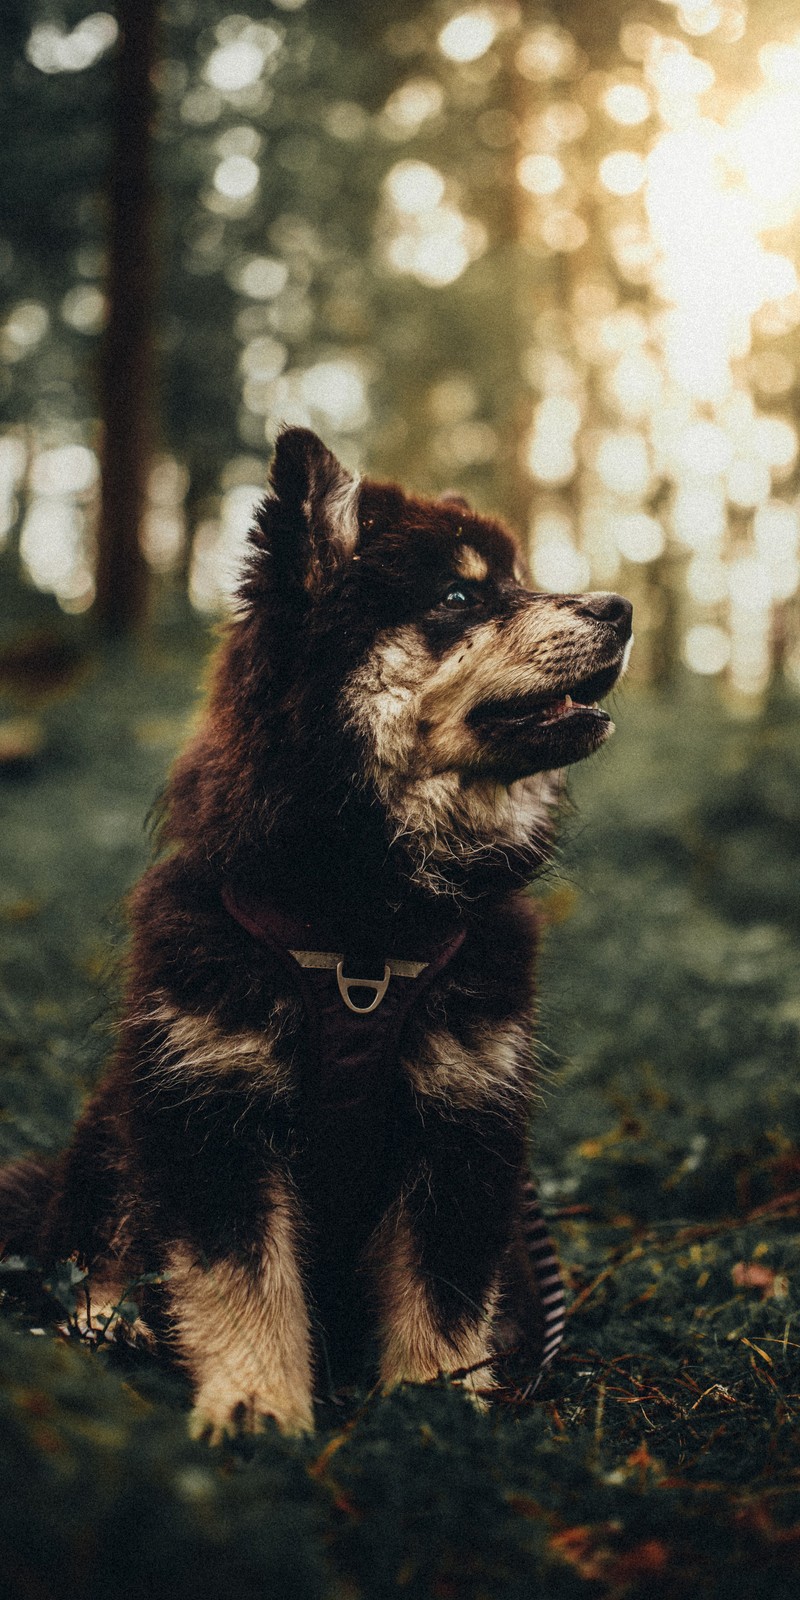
355, 1024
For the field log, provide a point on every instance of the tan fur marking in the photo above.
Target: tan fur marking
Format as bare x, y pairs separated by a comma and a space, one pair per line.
443, 821
517, 660
429, 777
471, 564
414, 1348
496, 1071
341, 508
245, 1337
382, 697
401, 686
196, 1045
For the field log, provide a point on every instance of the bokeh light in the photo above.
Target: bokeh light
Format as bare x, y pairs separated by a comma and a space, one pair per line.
627, 104
336, 390
622, 172
541, 174
234, 66
469, 35
414, 187
236, 177
706, 648
415, 102
52, 48
55, 540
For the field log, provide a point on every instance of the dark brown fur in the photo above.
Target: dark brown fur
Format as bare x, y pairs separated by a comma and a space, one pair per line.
365, 762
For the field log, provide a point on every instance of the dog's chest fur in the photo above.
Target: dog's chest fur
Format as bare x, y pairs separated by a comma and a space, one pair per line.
237, 1029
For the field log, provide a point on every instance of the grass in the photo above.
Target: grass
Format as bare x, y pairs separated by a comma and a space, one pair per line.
661, 1456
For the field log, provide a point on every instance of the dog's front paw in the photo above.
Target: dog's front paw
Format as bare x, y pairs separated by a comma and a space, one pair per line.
476, 1386
204, 1427
469, 1365
218, 1414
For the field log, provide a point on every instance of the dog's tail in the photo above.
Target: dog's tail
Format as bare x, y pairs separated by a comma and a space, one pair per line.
26, 1188
533, 1311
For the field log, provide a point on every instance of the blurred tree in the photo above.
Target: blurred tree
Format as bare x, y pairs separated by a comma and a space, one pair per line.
127, 368
57, 91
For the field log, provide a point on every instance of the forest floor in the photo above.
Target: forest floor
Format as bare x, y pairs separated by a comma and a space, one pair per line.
661, 1456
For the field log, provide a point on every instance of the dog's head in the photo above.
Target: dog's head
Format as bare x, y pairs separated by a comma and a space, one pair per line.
410, 665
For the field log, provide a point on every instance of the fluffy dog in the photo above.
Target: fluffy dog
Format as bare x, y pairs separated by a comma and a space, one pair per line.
314, 1127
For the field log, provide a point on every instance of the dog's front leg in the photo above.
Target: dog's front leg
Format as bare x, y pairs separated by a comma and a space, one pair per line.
438, 1256
422, 1333
242, 1330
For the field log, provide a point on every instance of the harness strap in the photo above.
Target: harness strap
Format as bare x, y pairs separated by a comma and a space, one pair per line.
331, 961
328, 960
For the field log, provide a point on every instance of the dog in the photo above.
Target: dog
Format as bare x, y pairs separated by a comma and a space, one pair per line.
346, 837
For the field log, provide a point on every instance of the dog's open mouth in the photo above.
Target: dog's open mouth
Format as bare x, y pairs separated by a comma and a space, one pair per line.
545, 710
529, 733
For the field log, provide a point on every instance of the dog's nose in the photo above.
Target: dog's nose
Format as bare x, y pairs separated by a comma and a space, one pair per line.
613, 609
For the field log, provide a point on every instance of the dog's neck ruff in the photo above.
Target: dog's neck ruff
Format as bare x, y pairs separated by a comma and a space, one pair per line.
354, 1053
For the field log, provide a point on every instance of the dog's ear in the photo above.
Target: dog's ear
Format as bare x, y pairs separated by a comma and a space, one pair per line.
311, 521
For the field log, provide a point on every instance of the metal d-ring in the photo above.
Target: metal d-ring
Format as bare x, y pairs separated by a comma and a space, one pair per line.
380, 985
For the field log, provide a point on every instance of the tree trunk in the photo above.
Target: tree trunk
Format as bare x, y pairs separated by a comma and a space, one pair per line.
126, 380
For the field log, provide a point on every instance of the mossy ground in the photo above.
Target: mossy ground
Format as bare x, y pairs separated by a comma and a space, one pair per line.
661, 1457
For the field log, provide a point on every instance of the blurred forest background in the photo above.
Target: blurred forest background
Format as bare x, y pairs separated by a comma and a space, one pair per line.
547, 255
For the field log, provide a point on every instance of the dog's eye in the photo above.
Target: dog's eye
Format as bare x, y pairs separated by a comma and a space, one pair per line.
459, 597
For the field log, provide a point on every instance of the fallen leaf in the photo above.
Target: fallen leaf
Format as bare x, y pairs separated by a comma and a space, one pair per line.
582, 1548
751, 1275
21, 741
648, 1557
